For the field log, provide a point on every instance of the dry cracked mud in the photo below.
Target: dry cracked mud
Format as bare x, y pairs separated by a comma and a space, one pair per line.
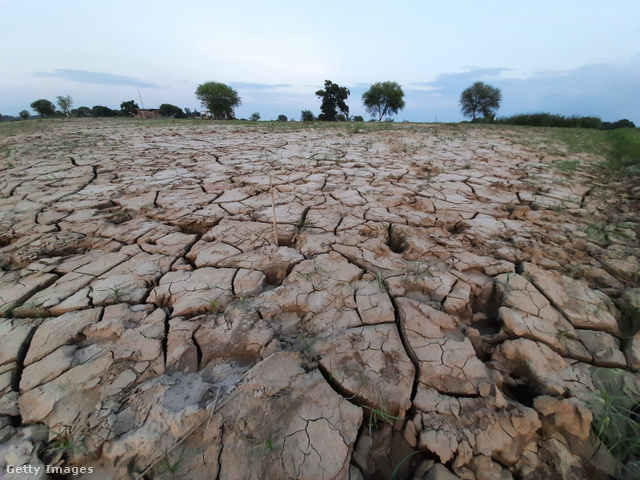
435, 301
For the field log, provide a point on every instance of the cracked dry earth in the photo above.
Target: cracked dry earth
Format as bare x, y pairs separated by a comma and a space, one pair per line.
422, 296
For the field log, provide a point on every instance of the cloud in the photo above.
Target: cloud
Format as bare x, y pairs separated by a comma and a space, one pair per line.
259, 86
610, 91
456, 82
98, 78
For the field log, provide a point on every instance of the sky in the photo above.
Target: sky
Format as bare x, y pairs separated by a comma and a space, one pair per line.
568, 57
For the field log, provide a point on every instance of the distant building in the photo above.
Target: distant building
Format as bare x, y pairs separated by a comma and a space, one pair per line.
147, 113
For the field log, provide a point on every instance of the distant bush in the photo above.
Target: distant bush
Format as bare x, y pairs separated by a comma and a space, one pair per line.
81, 112
307, 116
102, 111
624, 123
550, 120
282, 118
173, 111
358, 118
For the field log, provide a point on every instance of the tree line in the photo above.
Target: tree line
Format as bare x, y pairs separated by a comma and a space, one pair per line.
381, 100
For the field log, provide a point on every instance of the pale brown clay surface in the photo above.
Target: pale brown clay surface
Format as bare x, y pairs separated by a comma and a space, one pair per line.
431, 288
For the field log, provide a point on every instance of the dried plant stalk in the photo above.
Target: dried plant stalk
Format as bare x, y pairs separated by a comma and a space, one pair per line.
273, 207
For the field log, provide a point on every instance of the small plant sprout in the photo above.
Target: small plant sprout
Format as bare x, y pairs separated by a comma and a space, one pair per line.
379, 415
115, 292
507, 284
303, 223
167, 468
419, 270
211, 303
62, 444
267, 446
382, 283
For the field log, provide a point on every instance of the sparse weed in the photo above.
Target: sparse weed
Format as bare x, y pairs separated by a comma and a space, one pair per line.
367, 143
212, 303
169, 468
63, 444
576, 271
243, 296
379, 415
615, 419
507, 285
303, 223
568, 165
115, 292
382, 283
267, 446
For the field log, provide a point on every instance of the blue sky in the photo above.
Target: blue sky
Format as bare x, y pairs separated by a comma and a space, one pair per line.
568, 57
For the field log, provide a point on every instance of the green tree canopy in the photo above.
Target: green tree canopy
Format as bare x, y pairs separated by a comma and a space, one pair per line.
81, 112
282, 118
307, 116
219, 99
24, 114
44, 107
255, 116
383, 98
102, 111
168, 110
480, 99
65, 104
129, 109
333, 99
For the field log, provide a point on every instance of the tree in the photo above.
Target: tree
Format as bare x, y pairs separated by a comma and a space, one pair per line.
43, 107
333, 99
307, 116
383, 98
282, 118
24, 114
219, 99
65, 104
168, 110
255, 116
480, 99
129, 109
102, 111
358, 118
81, 112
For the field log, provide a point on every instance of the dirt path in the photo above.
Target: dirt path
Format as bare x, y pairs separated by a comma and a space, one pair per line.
441, 289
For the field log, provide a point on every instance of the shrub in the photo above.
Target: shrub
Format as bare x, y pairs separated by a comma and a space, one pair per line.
168, 110
282, 118
358, 118
624, 123
307, 116
551, 120
102, 111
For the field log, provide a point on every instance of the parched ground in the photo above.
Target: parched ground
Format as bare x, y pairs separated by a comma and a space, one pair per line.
456, 301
